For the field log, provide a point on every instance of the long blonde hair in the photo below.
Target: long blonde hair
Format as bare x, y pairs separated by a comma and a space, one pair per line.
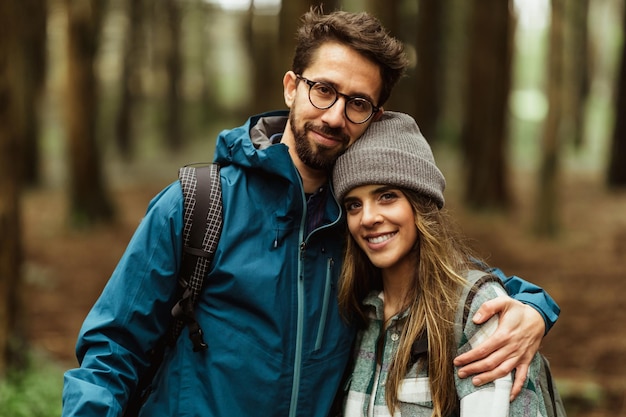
432, 300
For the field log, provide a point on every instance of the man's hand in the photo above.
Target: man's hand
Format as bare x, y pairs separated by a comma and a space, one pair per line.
512, 346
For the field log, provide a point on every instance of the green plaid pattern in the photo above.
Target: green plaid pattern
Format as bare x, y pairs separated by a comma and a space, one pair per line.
367, 384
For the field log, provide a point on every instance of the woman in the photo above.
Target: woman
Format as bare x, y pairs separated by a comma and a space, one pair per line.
402, 281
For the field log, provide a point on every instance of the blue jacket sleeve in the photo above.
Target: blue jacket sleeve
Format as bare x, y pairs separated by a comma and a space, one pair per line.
530, 294
130, 315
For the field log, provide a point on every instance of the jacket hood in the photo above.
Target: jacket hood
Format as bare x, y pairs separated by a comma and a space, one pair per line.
249, 145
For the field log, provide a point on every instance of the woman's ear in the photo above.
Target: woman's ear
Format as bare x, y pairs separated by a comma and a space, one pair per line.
289, 87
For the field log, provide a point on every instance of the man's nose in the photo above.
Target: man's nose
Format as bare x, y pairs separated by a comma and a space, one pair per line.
334, 116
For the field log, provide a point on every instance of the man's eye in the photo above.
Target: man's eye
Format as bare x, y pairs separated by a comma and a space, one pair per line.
324, 90
359, 105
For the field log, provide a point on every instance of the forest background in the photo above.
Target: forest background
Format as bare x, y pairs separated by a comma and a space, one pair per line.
524, 103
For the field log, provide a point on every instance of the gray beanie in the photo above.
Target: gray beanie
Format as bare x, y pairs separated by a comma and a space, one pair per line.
391, 151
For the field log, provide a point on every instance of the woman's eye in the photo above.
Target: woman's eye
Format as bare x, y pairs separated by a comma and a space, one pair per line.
388, 196
352, 206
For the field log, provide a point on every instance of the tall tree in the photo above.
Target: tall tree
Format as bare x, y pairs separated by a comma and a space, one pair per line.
266, 67
34, 41
289, 20
576, 69
428, 76
174, 69
617, 168
130, 80
401, 24
546, 218
484, 134
12, 120
89, 201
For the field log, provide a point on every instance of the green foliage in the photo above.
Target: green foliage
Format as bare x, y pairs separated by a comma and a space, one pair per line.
33, 392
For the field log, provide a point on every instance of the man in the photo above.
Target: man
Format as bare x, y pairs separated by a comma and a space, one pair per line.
277, 345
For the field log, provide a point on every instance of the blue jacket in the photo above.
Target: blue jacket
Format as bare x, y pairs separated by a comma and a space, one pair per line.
277, 345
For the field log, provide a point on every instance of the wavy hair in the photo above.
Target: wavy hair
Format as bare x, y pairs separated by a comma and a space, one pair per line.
361, 32
432, 300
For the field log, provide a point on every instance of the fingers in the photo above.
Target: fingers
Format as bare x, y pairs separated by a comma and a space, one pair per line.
495, 365
493, 351
490, 308
521, 373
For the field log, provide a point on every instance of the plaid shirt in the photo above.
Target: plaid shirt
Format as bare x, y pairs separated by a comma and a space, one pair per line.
366, 394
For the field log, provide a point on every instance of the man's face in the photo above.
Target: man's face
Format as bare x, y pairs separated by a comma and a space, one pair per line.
317, 137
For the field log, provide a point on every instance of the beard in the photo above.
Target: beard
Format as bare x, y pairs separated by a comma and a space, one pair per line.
313, 155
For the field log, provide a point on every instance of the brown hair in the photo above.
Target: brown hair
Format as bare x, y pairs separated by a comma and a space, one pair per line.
360, 31
432, 300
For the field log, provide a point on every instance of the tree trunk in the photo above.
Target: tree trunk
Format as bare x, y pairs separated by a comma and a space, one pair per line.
130, 80
484, 134
546, 218
289, 20
576, 70
262, 43
429, 69
12, 82
617, 168
174, 68
88, 199
401, 26
35, 72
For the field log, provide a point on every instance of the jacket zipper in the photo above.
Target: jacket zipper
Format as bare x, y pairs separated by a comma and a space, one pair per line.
297, 365
326, 301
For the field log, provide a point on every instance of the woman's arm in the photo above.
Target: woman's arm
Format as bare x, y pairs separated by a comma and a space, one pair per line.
491, 399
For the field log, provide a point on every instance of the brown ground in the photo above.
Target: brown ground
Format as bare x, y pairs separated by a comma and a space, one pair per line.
584, 270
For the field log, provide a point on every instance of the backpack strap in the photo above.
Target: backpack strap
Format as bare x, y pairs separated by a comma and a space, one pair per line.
201, 232
202, 227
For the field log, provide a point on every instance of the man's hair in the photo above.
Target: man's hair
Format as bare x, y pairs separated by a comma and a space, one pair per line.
359, 31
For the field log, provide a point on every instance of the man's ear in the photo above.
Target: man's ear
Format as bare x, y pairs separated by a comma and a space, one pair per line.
289, 87
377, 115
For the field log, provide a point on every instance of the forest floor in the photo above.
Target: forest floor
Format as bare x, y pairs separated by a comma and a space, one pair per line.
584, 269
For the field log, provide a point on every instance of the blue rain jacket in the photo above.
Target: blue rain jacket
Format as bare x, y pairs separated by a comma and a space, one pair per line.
277, 345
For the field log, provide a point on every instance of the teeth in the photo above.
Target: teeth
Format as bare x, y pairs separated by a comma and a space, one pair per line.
380, 239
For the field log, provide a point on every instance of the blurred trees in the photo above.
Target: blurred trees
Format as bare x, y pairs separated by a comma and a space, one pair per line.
13, 79
485, 133
545, 218
130, 79
428, 73
617, 167
89, 200
34, 46
165, 52
174, 69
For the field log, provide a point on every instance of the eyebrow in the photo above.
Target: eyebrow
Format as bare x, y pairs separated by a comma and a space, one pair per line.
356, 95
377, 190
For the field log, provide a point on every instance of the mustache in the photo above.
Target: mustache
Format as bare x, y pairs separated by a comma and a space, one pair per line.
327, 131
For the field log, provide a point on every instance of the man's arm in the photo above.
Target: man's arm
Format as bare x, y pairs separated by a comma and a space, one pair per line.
128, 318
521, 329
532, 295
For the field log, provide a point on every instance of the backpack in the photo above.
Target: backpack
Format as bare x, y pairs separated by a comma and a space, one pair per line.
551, 397
202, 226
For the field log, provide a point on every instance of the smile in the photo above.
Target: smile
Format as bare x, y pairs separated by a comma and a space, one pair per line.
381, 239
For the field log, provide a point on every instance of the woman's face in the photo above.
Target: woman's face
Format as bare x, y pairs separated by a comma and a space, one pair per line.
382, 222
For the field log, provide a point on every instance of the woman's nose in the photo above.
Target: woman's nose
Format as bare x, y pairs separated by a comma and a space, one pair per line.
370, 215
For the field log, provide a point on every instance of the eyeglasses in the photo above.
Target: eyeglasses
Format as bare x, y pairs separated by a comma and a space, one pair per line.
323, 96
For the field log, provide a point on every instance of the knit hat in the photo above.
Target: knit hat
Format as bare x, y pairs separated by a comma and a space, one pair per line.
391, 151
